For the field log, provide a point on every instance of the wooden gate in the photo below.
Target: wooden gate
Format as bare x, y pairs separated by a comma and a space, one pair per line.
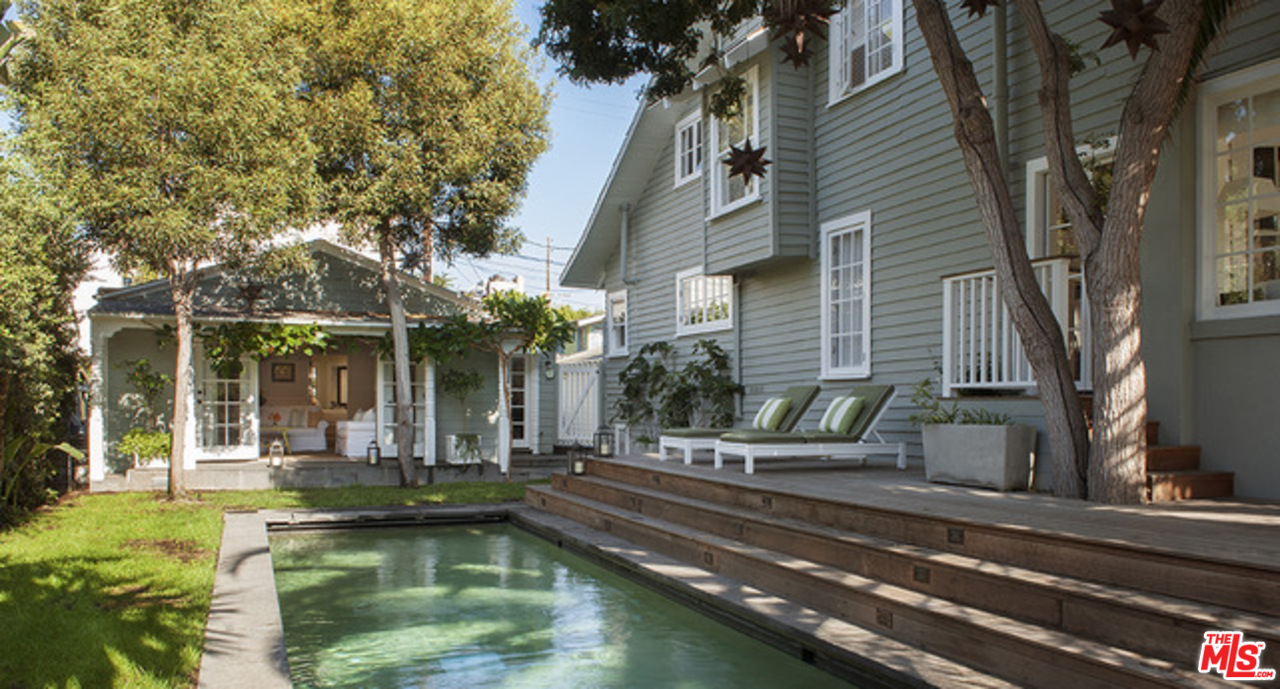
579, 413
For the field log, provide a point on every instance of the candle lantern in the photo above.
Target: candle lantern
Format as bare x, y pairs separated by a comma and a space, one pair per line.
276, 453
577, 460
373, 453
604, 442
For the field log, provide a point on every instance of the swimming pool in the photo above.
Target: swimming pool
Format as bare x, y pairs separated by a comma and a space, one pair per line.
493, 606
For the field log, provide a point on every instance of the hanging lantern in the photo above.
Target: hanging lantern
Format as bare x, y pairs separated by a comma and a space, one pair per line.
276, 453
603, 442
373, 453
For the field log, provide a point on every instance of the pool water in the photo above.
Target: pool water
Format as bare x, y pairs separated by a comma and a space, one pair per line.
493, 606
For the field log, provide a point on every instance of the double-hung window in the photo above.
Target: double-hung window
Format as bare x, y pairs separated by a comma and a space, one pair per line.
846, 297
1240, 199
688, 149
616, 324
728, 193
703, 302
866, 45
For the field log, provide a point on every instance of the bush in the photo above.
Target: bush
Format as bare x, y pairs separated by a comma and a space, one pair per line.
145, 445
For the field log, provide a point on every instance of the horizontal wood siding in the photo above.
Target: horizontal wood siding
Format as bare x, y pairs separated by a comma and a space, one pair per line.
792, 155
744, 237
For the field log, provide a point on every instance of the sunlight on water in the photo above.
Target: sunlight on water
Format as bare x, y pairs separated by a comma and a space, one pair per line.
461, 607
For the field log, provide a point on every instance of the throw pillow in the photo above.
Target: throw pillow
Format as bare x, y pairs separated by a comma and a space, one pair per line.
770, 415
840, 415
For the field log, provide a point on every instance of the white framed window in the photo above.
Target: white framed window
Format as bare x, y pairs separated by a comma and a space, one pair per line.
616, 324
729, 193
1239, 119
866, 45
703, 302
689, 149
846, 297
1049, 232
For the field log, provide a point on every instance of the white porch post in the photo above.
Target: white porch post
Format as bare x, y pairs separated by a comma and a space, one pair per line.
100, 334
190, 445
533, 401
429, 433
504, 423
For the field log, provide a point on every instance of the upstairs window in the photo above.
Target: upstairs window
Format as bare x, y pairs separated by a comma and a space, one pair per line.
1240, 183
616, 324
703, 302
866, 45
728, 193
689, 149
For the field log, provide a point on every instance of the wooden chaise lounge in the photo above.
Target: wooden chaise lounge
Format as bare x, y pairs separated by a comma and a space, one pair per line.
802, 444
690, 439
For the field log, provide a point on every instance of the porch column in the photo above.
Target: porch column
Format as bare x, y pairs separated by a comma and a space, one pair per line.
533, 401
429, 432
100, 335
504, 423
190, 446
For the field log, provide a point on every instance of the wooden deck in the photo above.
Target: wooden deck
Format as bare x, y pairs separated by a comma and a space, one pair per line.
1235, 530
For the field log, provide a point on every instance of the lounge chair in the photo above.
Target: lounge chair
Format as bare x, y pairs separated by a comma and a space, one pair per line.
826, 445
690, 439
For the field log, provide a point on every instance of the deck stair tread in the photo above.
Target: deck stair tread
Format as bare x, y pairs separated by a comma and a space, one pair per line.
935, 624
1123, 553
1173, 458
1196, 616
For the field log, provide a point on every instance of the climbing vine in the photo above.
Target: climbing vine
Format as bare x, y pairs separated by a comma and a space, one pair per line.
227, 343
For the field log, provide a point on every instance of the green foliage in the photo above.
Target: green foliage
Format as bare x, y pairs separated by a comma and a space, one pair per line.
700, 393
150, 384
144, 444
27, 466
933, 411
227, 343
514, 322
460, 383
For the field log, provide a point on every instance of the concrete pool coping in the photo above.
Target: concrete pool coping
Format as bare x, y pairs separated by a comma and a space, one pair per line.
244, 637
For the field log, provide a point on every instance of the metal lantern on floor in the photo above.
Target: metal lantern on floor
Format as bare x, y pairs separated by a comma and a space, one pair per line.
276, 453
577, 461
603, 442
373, 453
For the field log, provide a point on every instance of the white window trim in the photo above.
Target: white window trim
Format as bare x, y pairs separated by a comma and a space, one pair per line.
711, 156
1212, 94
848, 223
611, 348
694, 120
836, 89
682, 329
1038, 188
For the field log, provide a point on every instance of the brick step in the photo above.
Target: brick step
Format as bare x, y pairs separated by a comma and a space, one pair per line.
1153, 625
1173, 458
1216, 582
1167, 486
1015, 650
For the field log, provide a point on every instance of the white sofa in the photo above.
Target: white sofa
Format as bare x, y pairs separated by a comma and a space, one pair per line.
353, 436
294, 422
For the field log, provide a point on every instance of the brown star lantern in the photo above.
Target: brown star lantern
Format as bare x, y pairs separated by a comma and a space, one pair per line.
978, 7
796, 51
1134, 22
747, 161
795, 19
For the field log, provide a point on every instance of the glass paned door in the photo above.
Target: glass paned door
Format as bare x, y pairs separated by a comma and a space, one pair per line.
519, 401
223, 408
387, 403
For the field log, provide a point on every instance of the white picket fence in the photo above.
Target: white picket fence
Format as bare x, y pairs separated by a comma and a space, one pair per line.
980, 347
579, 415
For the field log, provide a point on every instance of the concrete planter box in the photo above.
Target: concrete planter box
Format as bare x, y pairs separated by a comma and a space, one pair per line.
986, 456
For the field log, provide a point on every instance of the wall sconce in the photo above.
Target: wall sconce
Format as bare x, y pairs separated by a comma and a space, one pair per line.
276, 453
373, 453
548, 369
603, 442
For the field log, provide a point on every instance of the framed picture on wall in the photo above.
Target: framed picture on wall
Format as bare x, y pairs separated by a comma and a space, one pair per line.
282, 373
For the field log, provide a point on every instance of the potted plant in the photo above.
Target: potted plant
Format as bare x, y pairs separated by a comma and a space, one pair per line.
972, 447
148, 448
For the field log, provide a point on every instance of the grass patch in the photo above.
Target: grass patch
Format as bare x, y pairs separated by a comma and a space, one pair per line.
114, 590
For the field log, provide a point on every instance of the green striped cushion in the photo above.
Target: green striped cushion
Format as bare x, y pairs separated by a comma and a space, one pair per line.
840, 415
770, 415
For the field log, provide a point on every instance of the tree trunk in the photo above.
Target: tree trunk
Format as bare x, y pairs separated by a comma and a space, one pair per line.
400, 341
182, 286
504, 431
1118, 475
1028, 308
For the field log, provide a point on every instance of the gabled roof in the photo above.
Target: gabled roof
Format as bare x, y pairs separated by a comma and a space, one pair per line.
344, 285
650, 129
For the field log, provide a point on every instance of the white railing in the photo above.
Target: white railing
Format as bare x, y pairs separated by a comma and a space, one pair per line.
579, 400
981, 349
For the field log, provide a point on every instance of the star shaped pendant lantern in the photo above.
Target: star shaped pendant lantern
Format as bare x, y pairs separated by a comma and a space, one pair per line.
796, 20
1134, 22
979, 7
746, 161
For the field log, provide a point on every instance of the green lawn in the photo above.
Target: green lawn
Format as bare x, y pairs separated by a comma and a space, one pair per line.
113, 590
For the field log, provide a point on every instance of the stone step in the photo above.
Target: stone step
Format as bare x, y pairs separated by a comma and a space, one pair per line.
1167, 486
1236, 585
1153, 625
1173, 458
1015, 650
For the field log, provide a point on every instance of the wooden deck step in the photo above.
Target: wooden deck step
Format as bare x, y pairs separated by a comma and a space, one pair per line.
1016, 650
1153, 433
1165, 486
1173, 458
1166, 572
1153, 625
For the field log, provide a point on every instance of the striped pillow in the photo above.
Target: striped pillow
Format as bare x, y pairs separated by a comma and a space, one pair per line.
770, 415
840, 415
